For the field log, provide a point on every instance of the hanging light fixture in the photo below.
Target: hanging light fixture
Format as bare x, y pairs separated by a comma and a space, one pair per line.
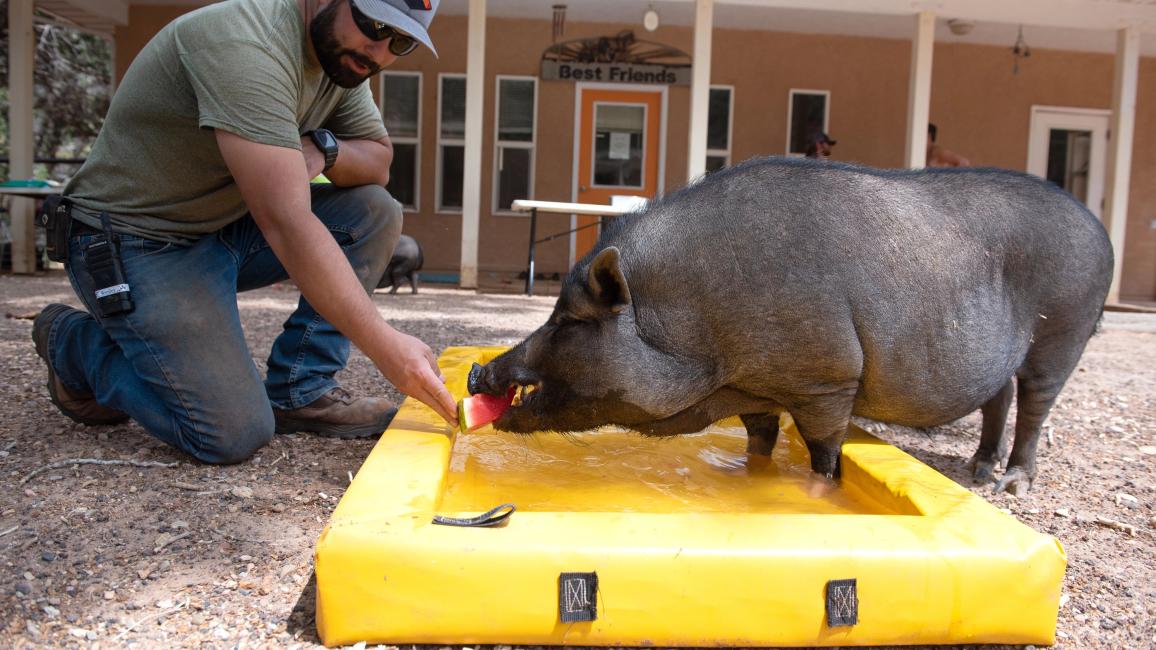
650, 19
559, 21
1020, 51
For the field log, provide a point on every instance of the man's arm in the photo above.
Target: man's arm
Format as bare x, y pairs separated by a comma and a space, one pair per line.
359, 162
274, 182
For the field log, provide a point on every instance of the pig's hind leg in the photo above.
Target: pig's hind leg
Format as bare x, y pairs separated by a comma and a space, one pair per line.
992, 443
762, 432
1039, 380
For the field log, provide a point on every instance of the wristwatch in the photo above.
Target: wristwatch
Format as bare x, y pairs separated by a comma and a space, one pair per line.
327, 144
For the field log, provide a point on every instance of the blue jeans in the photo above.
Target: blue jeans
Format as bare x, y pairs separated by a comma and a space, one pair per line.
178, 363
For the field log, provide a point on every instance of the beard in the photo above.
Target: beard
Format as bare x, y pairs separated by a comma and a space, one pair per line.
329, 51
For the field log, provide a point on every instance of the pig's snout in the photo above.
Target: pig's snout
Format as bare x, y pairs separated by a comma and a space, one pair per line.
478, 380
495, 378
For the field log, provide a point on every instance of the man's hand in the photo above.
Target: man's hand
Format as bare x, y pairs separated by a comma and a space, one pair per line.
274, 183
410, 365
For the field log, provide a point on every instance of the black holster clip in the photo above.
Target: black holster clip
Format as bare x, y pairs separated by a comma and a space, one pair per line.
55, 216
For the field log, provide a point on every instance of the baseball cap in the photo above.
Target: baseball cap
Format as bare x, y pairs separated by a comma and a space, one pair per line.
822, 137
410, 16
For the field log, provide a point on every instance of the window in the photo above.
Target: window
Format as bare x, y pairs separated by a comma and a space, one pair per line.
451, 141
619, 144
718, 129
807, 113
401, 110
514, 146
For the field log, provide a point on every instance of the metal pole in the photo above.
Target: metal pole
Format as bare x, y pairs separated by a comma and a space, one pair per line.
530, 263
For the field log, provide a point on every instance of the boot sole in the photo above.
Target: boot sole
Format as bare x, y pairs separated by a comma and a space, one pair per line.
341, 431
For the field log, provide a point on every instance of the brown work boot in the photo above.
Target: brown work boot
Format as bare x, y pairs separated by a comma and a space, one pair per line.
80, 406
337, 414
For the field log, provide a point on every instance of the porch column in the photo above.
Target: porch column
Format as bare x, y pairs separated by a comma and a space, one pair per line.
21, 149
472, 166
700, 89
1120, 147
919, 91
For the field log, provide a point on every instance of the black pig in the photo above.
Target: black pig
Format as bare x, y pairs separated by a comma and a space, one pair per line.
406, 261
824, 290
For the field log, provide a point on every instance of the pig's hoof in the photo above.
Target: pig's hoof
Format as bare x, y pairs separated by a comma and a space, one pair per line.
1015, 481
982, 471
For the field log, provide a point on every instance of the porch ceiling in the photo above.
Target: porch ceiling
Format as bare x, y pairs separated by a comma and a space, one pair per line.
1080, 25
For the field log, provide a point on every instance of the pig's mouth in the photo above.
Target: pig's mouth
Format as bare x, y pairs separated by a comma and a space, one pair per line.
524, 394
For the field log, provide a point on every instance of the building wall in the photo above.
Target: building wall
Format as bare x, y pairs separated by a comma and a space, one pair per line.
982, 109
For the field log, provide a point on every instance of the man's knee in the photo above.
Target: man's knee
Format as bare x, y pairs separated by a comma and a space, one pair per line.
237, 442
383, 212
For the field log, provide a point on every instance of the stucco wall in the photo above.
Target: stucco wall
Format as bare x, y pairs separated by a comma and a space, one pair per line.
982, 110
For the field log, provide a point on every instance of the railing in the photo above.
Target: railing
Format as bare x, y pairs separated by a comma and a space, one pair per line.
556, 207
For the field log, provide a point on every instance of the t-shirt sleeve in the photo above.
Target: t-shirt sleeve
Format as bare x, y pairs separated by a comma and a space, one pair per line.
356, 116
242, 88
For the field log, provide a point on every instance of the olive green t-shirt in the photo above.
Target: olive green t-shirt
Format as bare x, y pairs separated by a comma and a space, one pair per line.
241, 65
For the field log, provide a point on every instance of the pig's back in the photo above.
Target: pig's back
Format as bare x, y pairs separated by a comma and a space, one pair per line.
929, 286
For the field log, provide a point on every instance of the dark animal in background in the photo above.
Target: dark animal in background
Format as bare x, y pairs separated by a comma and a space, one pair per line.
824, 290
406, 262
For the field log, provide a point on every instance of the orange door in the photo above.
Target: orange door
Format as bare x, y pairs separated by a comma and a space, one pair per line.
618, 151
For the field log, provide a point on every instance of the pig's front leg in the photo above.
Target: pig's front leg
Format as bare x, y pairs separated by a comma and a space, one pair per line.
762, 432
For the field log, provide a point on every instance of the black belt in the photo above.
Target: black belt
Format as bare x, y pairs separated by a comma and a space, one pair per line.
81, 228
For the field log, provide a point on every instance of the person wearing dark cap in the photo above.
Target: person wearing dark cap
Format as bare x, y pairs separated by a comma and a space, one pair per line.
199, 183
819, 145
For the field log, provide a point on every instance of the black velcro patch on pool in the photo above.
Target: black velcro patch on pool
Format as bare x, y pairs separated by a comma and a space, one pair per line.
577, 597
842, 603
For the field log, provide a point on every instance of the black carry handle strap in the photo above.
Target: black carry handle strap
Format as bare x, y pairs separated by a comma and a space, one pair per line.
488, 519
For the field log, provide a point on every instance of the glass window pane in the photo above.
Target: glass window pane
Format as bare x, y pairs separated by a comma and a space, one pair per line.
618, 145
715, 163
403, 174
513, 176
453, 167
400, 104
516, 110
807, 118
453, 107
718, 119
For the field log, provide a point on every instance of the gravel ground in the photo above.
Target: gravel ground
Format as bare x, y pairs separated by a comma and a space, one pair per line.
191, 555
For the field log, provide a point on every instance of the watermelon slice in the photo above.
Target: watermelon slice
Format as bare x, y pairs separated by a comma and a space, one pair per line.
476, 411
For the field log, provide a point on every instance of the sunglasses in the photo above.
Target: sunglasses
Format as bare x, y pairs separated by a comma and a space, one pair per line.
399, 44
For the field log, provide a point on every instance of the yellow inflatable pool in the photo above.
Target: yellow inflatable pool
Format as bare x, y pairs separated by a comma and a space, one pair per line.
623, 540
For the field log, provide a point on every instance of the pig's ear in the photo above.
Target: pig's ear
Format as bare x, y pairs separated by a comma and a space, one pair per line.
607, 284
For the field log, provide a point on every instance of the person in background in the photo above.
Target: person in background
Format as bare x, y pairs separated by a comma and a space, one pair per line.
819, 145
939, 156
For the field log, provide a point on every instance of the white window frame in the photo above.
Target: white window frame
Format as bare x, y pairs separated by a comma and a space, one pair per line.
415, 141
791, 107
439, 208
532, 145
726, 153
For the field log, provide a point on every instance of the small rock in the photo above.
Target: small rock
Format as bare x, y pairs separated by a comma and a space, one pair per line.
164, 604
51, 611
1108, 624
1152, 522
179, 524
110, 595
242, 492
1127, 500
278, 507
246, 558
143, 574
221, 633
78, 632
24, 588
32, 628
48, 556
1148, 450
